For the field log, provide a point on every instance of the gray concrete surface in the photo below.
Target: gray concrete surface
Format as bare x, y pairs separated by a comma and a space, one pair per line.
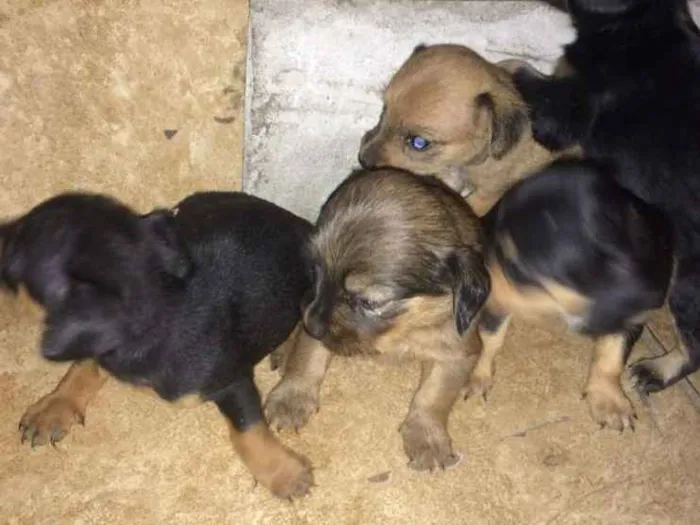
316, 70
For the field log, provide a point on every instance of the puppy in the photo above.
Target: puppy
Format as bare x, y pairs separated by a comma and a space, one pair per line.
630, 96
184, 302
570, 243
450, 113
398, 274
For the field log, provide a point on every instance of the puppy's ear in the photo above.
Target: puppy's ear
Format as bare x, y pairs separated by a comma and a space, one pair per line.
418, 49
318, 304
471, 286
508, 123
161, 227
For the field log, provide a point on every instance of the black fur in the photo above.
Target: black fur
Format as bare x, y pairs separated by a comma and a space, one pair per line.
571, 224
185, 301
633, 99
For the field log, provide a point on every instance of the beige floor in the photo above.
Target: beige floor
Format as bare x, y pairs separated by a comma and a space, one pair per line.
87, 90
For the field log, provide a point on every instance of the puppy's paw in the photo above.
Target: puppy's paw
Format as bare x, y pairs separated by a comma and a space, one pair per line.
609, 406
647, 377
290, 405
290, 475
427, 444
479, 384
49, 420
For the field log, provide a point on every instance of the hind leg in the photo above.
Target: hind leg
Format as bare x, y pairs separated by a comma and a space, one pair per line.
657, 373
608, 403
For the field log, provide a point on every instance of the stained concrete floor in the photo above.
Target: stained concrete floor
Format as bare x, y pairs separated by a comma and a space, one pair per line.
87, 90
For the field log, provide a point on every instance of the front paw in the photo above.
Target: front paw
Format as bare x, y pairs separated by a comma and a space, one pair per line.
49, 420
649, 375
292, 476
427, 444
290, 405
479, 384
609, 406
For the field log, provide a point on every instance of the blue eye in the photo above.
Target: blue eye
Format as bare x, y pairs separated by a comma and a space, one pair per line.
418, 143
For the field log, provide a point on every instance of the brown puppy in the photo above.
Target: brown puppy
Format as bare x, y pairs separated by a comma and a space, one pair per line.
398, 273
450, 113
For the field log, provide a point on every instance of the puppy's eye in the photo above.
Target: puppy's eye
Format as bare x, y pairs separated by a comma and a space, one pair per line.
361, 303
366, 304
418, 143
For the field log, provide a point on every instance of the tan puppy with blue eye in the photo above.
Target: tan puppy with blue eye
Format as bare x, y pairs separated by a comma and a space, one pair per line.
398, 274
450, 113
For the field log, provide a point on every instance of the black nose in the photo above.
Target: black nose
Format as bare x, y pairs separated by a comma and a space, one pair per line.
315, 327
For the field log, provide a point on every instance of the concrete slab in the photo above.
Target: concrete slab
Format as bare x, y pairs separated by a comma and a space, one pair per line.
316, 71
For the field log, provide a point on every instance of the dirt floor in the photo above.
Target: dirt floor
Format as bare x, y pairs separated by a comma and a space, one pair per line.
87, 92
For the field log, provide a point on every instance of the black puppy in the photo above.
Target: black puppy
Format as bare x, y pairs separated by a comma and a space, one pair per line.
629, 93
184, 301
570, 243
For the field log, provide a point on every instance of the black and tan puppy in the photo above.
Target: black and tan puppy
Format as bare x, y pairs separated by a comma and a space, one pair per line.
399, 274
570, 243
630, 95
450, 113
184, 301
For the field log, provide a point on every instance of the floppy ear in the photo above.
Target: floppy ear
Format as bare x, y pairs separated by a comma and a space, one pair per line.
418, 49
318, 302
162, 229
508, 123
471, 286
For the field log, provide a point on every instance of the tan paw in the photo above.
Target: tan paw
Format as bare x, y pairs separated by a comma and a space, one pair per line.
610, 407
292, 476
479, 385
290, 405
427, 444
49, 420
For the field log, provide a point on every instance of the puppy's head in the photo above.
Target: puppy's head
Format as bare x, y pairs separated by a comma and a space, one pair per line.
90, 262
445, 109
381, 239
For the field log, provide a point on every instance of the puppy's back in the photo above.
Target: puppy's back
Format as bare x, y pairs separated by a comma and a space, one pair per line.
572, 224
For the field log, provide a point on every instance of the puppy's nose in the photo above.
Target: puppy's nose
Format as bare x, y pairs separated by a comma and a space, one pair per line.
368, 158
315, 327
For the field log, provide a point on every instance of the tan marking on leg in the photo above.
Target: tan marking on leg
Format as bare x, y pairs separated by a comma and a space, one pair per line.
49, 420
294, 399
27, 306
538, 305
284, 472
481, 377
608, 404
